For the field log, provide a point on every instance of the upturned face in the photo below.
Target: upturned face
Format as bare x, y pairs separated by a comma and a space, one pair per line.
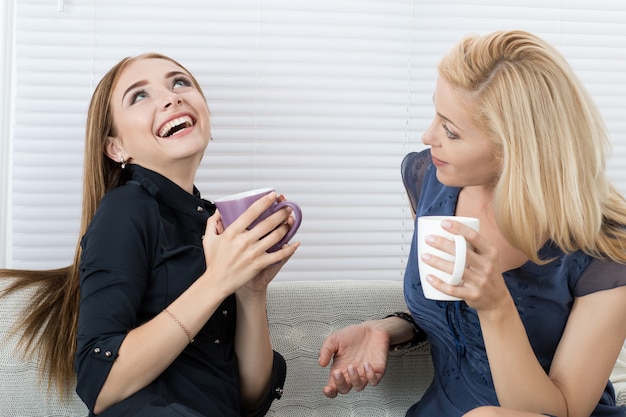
160, 119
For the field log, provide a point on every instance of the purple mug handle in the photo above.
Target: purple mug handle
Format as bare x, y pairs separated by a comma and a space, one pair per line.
297, 215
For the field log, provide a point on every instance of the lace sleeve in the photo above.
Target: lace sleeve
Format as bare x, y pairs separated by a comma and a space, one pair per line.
600, 275
413, 168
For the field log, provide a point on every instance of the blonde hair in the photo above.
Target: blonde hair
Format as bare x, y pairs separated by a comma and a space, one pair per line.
58, 293
551, 140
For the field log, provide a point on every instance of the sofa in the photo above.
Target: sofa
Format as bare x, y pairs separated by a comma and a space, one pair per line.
300, 315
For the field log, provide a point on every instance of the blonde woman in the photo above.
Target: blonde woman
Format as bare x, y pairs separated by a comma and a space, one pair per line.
163, 312
518, 143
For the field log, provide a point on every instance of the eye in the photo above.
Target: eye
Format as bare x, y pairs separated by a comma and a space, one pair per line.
449, 133
138, 96
181, 82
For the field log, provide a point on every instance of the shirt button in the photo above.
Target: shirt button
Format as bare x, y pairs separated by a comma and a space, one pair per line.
96, 350
200, 208
108, 353
225, 313
217, 341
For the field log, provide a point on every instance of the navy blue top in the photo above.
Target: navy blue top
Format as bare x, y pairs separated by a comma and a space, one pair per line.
543, 296
141, 251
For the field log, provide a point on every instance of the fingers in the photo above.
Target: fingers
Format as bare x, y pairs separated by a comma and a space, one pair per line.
271, 229
447, 266
372, 377
456, 228
330, 391
214, 226
253, 212
338, 383
449, 289
326, 353
448, 246
351, 379
263, 235
480, 253
280, 257
358, 383
281, 217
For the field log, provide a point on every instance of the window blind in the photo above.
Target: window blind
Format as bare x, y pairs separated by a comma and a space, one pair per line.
320, 99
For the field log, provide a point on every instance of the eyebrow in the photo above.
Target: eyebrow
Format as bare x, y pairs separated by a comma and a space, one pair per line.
141, 83
449, 121
445, 118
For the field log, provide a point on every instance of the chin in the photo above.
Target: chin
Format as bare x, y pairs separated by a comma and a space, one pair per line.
447, 181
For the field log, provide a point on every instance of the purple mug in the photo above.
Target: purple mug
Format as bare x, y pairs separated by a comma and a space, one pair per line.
233, 206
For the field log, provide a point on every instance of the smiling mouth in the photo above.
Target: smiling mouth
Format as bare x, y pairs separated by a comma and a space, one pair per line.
174, 126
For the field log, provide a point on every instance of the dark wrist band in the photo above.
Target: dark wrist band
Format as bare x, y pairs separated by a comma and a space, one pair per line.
418, 337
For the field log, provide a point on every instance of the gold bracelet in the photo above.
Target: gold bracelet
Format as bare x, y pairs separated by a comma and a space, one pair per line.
180, 324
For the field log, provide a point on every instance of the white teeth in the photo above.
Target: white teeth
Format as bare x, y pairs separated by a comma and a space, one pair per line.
165, 130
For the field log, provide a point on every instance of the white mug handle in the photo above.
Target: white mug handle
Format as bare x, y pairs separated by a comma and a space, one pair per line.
460, 246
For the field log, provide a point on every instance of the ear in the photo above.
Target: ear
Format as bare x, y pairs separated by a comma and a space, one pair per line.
113, 149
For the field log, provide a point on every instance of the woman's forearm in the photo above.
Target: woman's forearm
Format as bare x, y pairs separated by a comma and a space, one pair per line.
253, 346
520, 381
150, 348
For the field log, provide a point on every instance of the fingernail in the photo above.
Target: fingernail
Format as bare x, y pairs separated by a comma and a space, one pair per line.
446, 224
337, 374
429, 238
367, 367
430, 278
351, 371
425, 256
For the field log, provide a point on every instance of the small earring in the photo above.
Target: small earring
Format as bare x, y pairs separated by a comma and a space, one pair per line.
211, 138
123, 162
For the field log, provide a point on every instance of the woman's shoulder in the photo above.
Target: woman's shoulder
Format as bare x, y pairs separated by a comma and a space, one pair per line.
129, 201
413, 170
599, 275
124, 211
131, 193
415, 162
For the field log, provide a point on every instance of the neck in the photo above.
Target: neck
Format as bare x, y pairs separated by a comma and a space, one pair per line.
476, 201
181, 173
184, 181
481, 196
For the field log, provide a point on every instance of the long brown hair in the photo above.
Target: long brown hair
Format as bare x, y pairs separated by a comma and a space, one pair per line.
49, 322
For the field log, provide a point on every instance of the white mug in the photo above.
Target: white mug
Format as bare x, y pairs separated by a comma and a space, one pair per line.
431, 225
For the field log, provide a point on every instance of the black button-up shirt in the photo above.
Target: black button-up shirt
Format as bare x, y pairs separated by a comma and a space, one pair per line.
142, 249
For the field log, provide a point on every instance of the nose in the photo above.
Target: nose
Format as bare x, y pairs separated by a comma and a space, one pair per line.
429, 137
171, 99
